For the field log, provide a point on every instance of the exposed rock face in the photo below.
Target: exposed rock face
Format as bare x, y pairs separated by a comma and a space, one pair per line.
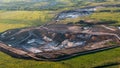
51, 42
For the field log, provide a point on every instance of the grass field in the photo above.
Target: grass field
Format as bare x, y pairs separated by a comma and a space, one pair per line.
107, 16
103, 3
85, 61
98, 16
18, 19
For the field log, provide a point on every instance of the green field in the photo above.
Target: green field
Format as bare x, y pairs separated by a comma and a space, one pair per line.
107, 16
18, 19
98, 16
107, 57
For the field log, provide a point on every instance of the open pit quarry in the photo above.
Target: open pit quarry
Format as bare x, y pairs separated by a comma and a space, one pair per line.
55, 42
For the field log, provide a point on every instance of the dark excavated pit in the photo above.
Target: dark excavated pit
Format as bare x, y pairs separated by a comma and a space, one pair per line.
57, 41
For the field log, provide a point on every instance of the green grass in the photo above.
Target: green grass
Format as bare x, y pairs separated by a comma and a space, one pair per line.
84, 61
18, 19
109, 8
25, 17
107, 16
103, 3
98, 16
5, 26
